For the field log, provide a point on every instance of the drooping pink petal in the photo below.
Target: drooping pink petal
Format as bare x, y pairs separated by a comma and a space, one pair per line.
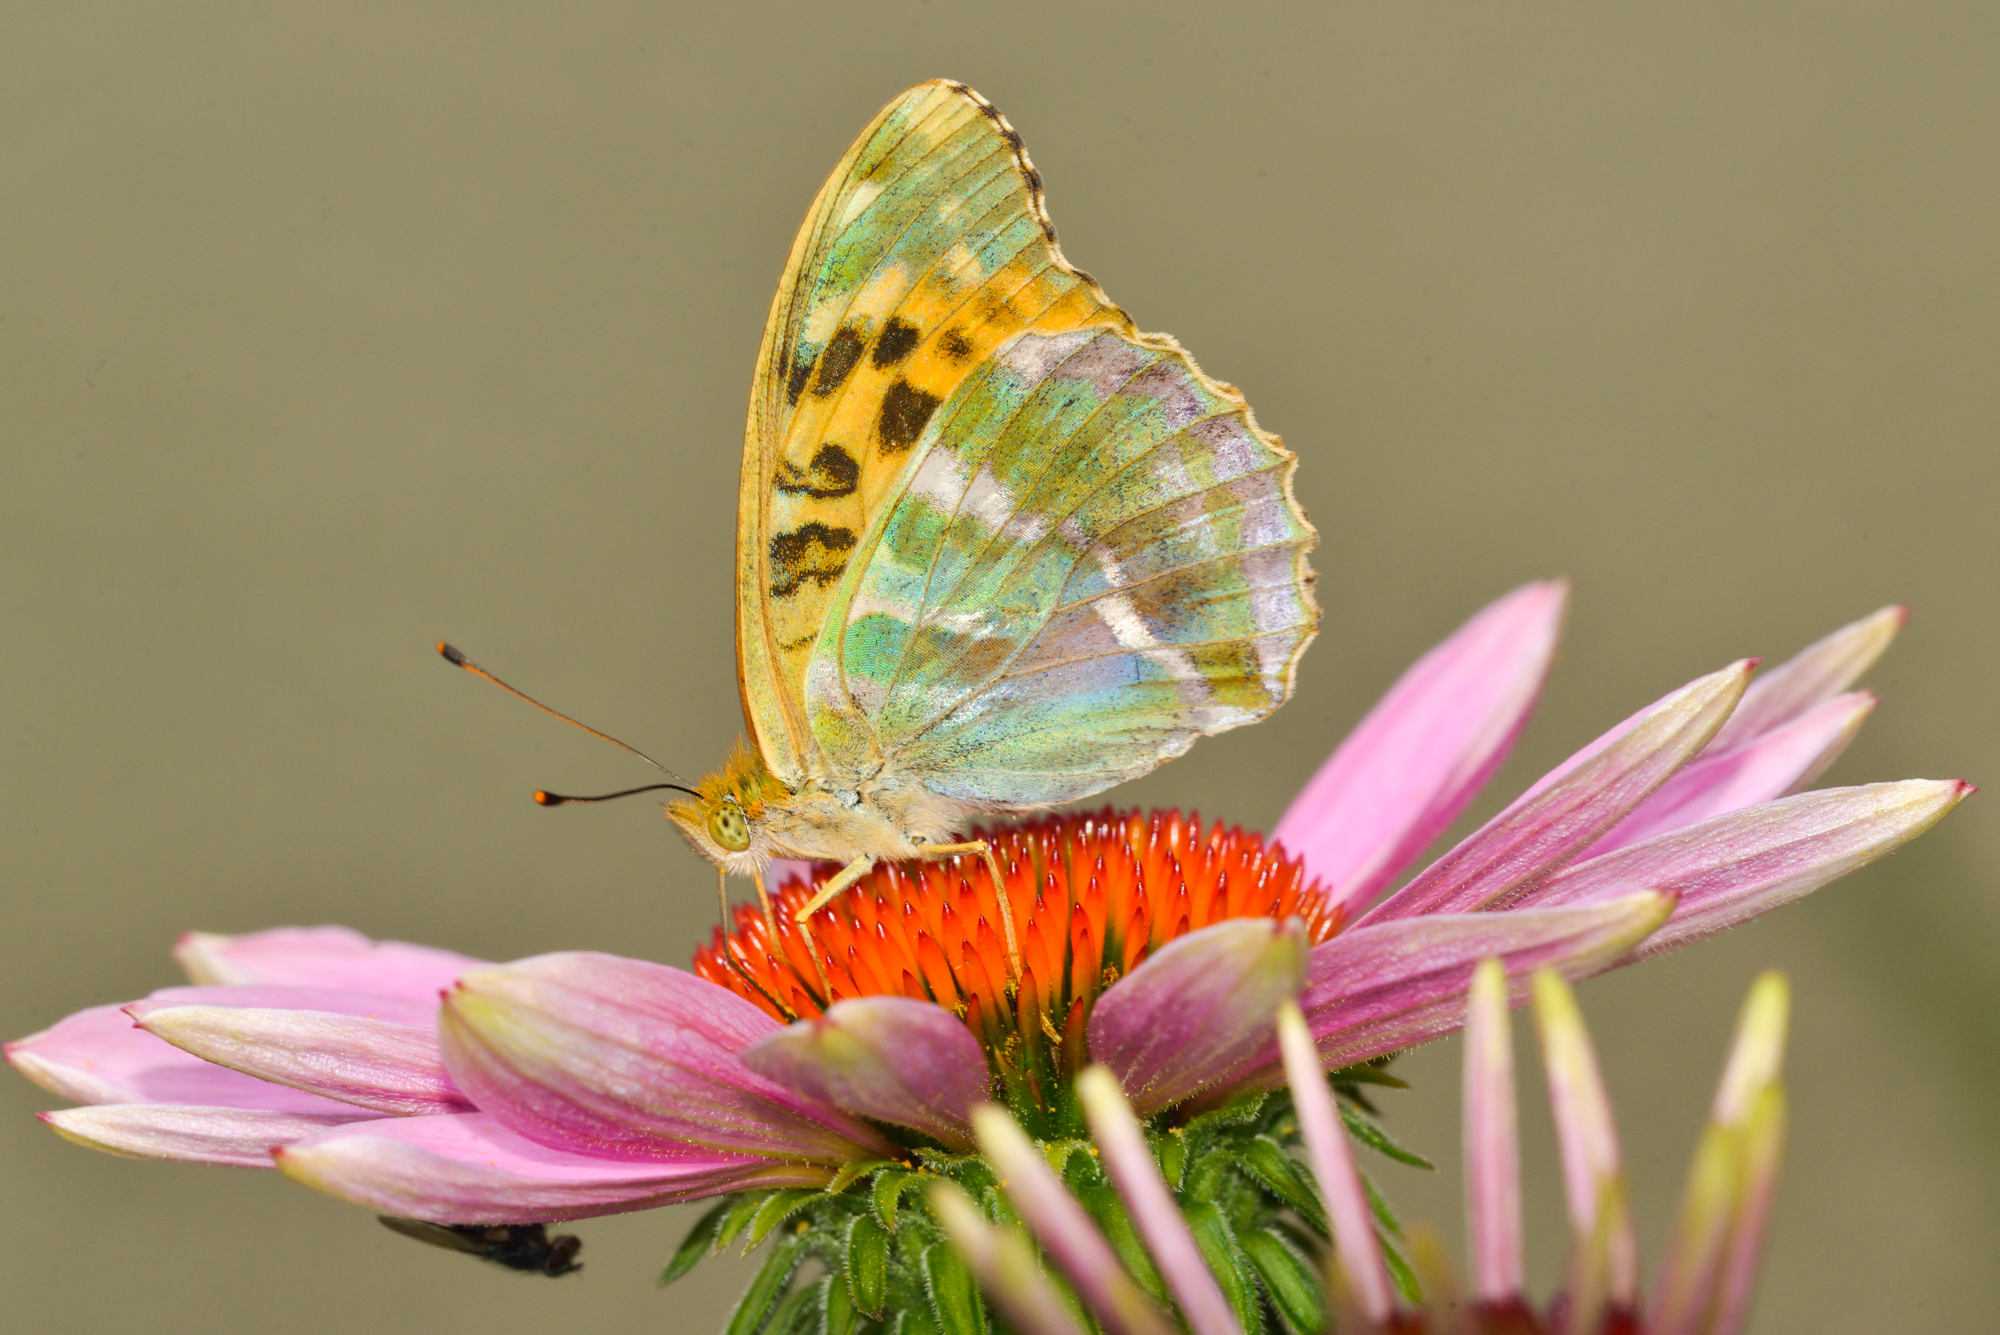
1593, 1177
1381, 989
331, 957
330, 1000
337, 957
890, 1058
631, 1060
1733, 868
1492, 1141
1704, 1285
391, 1068
1333, 1168
1188, 1018
1151, 1204
467, 1168
1064, 1229
1003, 1263
1810, 677
1427, 748
1564, 813
186, 1133
99, 1056
1779, 761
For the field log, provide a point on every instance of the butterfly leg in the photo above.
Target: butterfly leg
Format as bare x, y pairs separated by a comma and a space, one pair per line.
984, 849
838, 882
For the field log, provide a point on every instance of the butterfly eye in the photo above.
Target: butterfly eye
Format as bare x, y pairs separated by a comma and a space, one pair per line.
727, 826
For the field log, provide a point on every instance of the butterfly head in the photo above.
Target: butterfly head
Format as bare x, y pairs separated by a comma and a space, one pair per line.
724, 819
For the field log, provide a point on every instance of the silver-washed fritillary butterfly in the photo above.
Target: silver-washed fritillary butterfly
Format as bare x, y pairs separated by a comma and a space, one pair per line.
996, 549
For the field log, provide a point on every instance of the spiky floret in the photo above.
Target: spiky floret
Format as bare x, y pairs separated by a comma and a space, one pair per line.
1092, 895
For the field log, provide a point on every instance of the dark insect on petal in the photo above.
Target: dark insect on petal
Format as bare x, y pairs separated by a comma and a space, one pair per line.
527, 1248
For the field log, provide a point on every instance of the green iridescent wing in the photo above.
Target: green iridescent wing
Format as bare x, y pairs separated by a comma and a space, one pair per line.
1093, 557
926, 250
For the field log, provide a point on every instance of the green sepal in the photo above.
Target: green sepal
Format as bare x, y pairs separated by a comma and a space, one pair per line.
799, 1310
1108, 1210
1375, 1138
850, 1173
1366, 1073
1239, 1111
954, 1296
1287, 1280
1059, 1152
1378, 1204
774, 1211
699, 1242
841, 1318
916, 1322
1172, 1152
1404, 1278
1265, 1160
742, 1209
868, 1264
1218, 1247
888, 1189
771, 1279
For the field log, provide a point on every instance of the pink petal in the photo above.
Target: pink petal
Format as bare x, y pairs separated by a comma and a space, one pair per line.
1593, 1177
1003, 1263
468, 1169
1492, 1141
1378, 990
631, 1060
1600, 1284
1427, 748
1186, 1019
1065, 1230
235, 1137
1704, 1285
337, 957
890, 1058
783, 870
1571, 806
330, 1000
1810, 677
1332, 1160
1129, 1161
1733, 868
391, 1068
100, 1056
1781, 760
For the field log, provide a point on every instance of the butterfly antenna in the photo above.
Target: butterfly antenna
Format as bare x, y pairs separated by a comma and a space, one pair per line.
457, 659
549, 799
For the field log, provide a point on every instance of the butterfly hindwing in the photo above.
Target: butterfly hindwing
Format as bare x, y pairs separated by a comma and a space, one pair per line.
1095, 558
925, 251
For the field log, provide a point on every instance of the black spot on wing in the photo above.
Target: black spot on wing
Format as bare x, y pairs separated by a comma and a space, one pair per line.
955, 345
795, 379
839, 358
895, 342
906, 410
832, 473
812, 553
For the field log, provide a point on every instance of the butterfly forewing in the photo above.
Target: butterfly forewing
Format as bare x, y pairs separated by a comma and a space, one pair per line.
927, 250
1095, 559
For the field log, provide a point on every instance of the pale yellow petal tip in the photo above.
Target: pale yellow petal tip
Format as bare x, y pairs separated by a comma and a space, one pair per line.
1555, 1002
1759, 1049
202, 958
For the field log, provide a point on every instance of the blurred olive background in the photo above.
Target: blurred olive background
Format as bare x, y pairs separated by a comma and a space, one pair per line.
329, 330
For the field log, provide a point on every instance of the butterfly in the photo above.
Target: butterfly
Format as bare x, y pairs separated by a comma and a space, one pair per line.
996, 549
